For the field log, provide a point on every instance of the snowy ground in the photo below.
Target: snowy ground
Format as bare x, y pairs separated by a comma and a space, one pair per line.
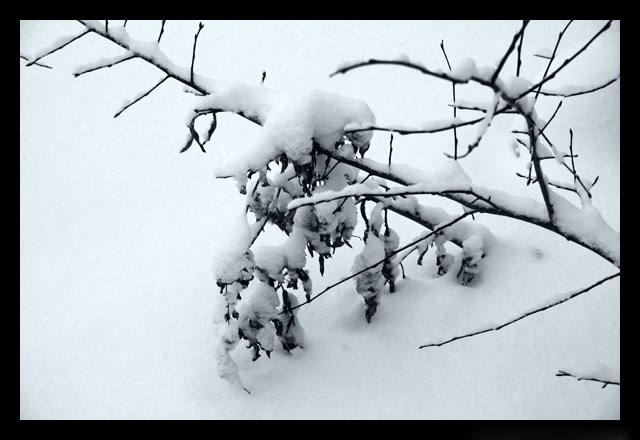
118, 304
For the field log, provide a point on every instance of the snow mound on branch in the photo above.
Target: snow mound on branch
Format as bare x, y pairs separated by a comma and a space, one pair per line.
294, 120
227, 266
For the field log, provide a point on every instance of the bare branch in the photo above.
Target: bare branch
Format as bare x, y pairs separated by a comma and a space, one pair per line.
372, 62
540, 309
455, 133
141, 96
161, 32
573, 165
37, 64
566, 62
553, 55
195, 41
519, 62
516, 37
579, 378
554, 184
551, 119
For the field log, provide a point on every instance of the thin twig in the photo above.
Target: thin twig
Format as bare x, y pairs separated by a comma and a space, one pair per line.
579, 378
110, 64
553, 55
93, 27
195, 41
390, 148
500, 209
453, 85
259, 231
406, 192
573, 165
392, 254
556, 185
37, 64
566, 62
550, 119
519, 62
517, 36
474, 145
140, 97
57, 48
162, 31
573, 295
581, 92
405, 131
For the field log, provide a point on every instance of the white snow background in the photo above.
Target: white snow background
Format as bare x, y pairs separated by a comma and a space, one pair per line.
118, 234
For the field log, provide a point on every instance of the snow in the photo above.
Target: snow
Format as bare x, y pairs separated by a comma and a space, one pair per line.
122, 239
293, 119
464, 70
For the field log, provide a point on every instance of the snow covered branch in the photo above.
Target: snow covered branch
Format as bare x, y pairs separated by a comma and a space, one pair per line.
541, 308
60, 43
600, 239
302, 175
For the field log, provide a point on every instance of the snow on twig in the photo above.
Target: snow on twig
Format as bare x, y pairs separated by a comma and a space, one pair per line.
102, 63
573, 90
58, 44
579, 377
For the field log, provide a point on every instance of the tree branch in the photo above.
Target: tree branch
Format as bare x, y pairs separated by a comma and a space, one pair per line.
566, 62
298, 203
153, 59
503, 208
37, 64
516, 37
65, 42
540, 309
579, 378
161, 32
106, 63
195, 41
455, 133
579, 92
392, 254
141, 96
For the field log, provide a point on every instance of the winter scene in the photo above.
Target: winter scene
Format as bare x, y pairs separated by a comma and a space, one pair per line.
320, 220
